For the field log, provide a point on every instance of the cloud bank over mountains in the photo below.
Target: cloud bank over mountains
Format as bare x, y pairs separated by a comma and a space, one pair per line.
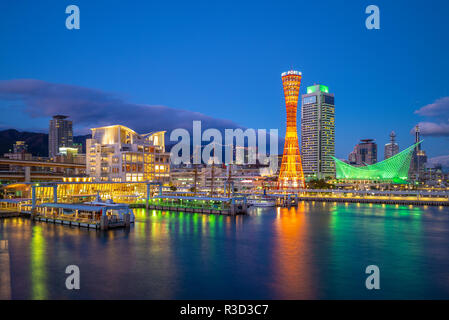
93, 108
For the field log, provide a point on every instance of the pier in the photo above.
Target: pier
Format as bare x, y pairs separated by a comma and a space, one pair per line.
411, 197
102, 216
212, 205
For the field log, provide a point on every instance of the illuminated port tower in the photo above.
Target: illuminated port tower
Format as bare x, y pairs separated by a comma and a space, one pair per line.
291, 175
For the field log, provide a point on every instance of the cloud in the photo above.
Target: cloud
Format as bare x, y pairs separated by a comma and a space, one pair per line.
438, 110
443, 160
432, 129
93, 108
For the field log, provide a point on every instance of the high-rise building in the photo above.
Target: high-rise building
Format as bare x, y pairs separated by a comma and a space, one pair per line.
364, 153
60, 134
391, 148
318, 132
119, 154
291, 175
20, 147
419, 157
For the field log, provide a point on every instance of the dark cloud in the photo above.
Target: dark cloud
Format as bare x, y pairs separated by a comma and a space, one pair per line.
439, 110
442, 160
92, 108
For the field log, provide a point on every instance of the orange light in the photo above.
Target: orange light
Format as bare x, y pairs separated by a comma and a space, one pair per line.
291, 175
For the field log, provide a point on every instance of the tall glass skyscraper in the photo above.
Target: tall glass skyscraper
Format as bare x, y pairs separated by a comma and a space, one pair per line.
60, 134
318, 132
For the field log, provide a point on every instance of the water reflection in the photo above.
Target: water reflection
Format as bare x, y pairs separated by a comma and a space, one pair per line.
317, 250
293, 256
38, 272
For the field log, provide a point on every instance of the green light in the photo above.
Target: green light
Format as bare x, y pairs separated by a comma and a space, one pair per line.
311, 89
393, 169
319, 87
324, 89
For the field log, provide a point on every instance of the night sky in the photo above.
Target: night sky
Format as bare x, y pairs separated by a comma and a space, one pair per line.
161, 64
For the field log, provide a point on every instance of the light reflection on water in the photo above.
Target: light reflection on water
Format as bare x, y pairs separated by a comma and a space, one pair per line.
317, 250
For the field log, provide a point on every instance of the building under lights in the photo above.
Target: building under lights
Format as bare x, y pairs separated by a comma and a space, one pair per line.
318, 133
291, 175
394, 169
119, 154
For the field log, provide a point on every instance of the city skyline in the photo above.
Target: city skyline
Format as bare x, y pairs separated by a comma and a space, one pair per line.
379, 76
223, 157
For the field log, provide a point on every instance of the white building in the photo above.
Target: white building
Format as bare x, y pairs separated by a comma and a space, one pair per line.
117, 153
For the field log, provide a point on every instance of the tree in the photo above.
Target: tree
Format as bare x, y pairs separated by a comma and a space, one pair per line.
319, 184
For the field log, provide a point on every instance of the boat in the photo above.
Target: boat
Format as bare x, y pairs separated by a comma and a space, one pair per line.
262, 202
114, 209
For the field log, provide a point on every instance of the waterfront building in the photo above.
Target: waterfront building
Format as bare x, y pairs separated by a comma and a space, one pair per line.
364, 153
435, 177
291, 175
394, 169
391, 148
217, 177
419, 158
119, 154
60, 134
318, 132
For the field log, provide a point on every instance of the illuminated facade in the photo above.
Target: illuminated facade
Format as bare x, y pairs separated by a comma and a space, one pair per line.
291, 175
394, 169
318, 132
118, 154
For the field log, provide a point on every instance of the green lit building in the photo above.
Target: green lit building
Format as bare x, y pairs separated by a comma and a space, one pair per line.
318, 133
394, 169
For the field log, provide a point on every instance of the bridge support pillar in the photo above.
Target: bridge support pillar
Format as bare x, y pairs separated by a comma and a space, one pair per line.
127, 219
33, 198
55, 193
147, 199
27, 174
104, 223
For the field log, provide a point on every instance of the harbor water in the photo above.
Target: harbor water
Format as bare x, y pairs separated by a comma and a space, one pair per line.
313, 251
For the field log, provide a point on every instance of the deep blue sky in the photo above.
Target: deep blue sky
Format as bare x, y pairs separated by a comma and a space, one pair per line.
224, 59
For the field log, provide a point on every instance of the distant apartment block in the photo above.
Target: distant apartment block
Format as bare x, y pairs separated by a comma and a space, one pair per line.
60, 134
392, 148
364, 153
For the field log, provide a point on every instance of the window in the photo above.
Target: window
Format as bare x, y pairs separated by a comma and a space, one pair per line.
309, 100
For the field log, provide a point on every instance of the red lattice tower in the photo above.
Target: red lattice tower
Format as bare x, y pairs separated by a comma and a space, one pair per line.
291, 175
